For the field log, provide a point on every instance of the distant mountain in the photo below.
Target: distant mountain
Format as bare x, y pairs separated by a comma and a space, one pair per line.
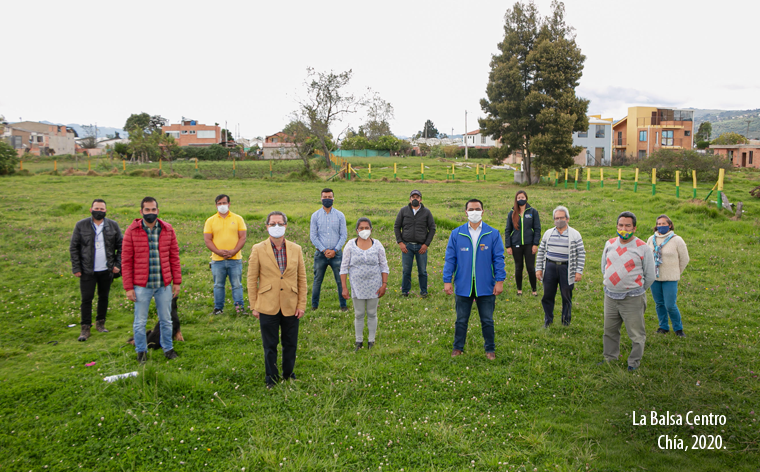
103, 131
725, 121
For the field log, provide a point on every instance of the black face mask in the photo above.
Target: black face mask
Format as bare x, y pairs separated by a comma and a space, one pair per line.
415, 203
522, 202
98, 215
327, 202
150, 218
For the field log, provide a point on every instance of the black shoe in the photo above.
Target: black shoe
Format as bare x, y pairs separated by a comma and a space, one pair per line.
680, 333
370, 344
663, 331
546, 325
270, 386
344, 308
631, 368
142, 357
291, 376
565, 323
314, 308
217, 311
358, 346
404, 294
171, 354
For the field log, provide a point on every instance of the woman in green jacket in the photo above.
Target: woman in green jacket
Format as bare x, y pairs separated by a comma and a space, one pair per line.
521, 238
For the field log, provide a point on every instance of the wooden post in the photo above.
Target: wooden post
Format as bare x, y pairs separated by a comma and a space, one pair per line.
576, 177
588, 178
694, 177
124, 165
422, 171
654, 180
394, 171
556, 178
601, 177
348, 166
21, 163
484, 172
159, 166
370, 171
477, 171
636, 181
565, 178
234, 168
620, 174
55, 166
89, 166
721, 173
678, 188
270, 168
738, 214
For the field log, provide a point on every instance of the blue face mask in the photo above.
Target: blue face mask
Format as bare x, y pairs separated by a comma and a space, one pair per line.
663, 229
327, 202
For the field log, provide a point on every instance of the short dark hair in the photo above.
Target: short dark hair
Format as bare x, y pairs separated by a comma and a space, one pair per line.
283, 215
148, 200
97, 200
627, 214
670, 222
219, 197
473, 200
363, 219
327, 190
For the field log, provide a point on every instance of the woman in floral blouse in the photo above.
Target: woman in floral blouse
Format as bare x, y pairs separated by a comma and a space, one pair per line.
365, 265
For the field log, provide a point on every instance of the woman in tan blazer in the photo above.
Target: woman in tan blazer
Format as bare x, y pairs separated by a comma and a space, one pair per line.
277, 295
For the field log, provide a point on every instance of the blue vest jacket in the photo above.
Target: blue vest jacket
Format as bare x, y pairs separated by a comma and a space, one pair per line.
488, 261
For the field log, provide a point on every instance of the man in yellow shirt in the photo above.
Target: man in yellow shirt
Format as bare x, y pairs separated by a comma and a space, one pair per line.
224, 234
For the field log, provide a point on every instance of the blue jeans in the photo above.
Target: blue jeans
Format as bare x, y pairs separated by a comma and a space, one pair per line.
413, 250
486, 306
320, 267
232, 268
665, 295
163, 297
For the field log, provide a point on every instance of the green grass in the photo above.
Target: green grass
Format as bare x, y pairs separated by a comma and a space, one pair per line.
543, 405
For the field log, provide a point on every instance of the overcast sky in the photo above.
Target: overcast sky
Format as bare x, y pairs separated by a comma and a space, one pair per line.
244, 62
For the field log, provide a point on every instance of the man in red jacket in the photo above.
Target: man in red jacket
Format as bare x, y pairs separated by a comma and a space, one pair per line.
149, 265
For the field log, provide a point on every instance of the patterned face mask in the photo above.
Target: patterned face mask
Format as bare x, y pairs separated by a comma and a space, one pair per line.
625, 235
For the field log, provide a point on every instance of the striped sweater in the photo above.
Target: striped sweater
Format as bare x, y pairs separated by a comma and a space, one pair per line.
576, 258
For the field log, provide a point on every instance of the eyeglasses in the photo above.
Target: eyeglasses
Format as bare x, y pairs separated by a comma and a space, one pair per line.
272, 225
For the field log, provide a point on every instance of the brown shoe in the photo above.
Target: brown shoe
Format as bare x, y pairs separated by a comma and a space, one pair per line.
100, 325
491, 356
456, 352
84, 335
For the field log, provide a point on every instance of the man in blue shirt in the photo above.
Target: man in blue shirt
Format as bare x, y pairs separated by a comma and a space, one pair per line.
475, 264
328, 234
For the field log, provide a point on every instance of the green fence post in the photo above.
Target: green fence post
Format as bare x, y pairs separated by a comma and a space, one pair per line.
565, 178
678, 186
588, 178
576, 178
654, 181
620, 172
636, 181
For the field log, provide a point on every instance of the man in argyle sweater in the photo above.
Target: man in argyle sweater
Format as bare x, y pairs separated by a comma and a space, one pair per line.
628, 269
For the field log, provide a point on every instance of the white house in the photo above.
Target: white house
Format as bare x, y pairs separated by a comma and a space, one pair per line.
476, 140
596, 142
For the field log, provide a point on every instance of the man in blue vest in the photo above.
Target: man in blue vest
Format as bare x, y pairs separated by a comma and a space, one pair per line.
475, 264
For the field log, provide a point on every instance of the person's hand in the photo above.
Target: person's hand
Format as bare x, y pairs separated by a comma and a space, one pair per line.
509, 251
381, 291
403, 247
423, 249
77, 274
299, 314
175, 290
131, 296
578, 277
535, 249
178, 336
498, 288
116, 270
448, 288
255, 314
540, 274
345, 293
329, 253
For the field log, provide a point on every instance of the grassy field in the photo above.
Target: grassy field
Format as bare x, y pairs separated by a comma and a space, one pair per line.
543, 405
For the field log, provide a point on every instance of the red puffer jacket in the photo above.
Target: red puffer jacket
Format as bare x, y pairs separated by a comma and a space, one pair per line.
135, 255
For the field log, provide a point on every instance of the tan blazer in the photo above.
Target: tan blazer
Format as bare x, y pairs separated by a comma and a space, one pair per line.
270, 292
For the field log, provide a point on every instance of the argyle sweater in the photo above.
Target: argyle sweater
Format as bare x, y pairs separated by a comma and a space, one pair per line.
628, 269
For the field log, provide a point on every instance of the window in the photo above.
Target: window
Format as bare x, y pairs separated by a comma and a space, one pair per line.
482, 140
599, 131
642, 135
173, 134
730, 155
39, 139
642, 154
206, 134
667, 138
192, 131
687, 133
184, 131
583, 134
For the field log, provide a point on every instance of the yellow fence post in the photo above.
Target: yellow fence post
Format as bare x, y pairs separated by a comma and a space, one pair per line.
160, 166
477, 171
636, 181
89, 167
601, 177
620, 174
588, 178
678, 187
484, 172
370, 171
422, 171
721, 173
452, 171
565, 178
21, 163
694, 178
654, 180
394, 171
55, 166
576, 177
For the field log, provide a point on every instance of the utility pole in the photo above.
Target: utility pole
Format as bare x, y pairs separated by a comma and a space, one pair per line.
466, 156
747, 135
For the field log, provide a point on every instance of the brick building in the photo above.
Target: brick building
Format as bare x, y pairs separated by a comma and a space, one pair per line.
647, 129
740, 155
40, 139
192, 133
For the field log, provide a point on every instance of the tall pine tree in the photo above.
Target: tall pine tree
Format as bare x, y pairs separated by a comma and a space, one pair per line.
531, 104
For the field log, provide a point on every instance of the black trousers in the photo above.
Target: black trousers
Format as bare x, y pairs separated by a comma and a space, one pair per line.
271, 326
554, 275
87, 284
524, 252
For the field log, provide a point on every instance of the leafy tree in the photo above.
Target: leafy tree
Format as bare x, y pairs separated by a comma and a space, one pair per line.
121, 149
428, 130
379, 112
388, 142
356, 142
704, 132
531, 103
145, 122
8, 159
668, 161
730, 138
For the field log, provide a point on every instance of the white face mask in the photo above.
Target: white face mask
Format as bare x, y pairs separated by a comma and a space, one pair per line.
276, 231
474, 216
364, 234
223, 209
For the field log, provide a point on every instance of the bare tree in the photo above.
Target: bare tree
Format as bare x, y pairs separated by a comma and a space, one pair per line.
90, 139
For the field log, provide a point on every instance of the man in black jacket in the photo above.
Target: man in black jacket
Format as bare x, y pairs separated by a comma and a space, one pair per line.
96, 259
414, 228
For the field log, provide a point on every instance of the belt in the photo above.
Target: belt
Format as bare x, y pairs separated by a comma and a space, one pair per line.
558, 262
